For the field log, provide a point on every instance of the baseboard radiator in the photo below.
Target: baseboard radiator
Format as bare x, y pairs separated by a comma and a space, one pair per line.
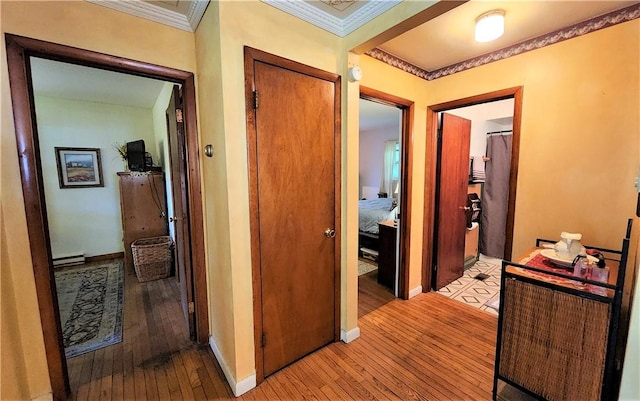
70, 260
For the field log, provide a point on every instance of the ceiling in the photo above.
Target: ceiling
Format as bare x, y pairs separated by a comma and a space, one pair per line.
448, 39
378, 116
69, 81
440, 42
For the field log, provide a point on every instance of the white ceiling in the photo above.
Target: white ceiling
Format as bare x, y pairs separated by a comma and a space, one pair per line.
448, 39
70, 81
442, 41
375, 115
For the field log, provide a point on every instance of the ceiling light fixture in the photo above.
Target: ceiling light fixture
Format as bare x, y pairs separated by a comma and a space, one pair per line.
489, 26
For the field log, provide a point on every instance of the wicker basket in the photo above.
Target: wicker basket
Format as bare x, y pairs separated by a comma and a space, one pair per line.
152, 257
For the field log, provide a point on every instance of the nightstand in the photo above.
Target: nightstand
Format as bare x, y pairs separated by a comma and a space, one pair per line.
387, 254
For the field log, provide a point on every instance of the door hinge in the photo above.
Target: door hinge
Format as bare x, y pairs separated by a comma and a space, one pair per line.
192, 307
179, 115
264, 340
255, 99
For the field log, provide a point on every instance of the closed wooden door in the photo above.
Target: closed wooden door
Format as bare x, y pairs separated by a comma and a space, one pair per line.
296, 170
179, 216
453, 178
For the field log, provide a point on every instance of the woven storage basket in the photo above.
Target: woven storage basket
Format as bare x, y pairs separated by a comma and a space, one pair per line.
152, 257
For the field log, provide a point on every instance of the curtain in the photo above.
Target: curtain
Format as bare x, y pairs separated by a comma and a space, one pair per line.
495, 196
386, 181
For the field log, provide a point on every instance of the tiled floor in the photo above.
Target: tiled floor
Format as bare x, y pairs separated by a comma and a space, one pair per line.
477, 293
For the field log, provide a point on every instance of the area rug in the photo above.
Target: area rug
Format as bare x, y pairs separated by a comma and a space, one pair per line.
365, 267
90, 302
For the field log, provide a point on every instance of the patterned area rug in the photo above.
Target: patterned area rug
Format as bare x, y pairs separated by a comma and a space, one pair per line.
365, 267
482, 294
90, 302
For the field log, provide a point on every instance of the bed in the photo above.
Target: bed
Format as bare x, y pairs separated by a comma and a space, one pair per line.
370, 213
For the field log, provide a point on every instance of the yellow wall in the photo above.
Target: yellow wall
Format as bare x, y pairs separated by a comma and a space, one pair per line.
226, 176
14, 384
223, 124
580, 115
579, 139
580, 124
87, 26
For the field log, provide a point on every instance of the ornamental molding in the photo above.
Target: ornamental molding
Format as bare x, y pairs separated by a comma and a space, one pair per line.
570, 32
322, 19
159, 14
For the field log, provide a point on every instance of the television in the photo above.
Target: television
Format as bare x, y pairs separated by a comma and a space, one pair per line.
136, 156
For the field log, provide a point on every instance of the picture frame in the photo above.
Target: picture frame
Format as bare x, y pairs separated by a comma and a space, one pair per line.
79, 167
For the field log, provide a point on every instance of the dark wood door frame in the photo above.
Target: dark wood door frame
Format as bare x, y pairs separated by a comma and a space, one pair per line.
406, 169
250, 57
430, 173
19, 49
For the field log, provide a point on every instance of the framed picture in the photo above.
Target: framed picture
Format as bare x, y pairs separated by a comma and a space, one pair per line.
79, 167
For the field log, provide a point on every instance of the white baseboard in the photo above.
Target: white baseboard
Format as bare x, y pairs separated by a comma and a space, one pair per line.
44, 397
415, 291
239, 387
348, 336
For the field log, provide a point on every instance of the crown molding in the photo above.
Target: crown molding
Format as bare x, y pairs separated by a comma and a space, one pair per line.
365, 14
324, 20
155, 13
572, 31
310, 14
196, 11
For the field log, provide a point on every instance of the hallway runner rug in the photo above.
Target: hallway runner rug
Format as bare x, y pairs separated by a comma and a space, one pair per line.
90, 301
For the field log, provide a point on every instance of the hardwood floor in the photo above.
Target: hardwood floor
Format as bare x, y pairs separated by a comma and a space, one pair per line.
427, 348
371, 295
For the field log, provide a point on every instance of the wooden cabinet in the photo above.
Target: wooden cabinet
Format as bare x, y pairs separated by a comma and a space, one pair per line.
143, 207
387, 254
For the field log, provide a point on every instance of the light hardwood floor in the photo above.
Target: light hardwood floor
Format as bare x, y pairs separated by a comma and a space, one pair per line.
427, 348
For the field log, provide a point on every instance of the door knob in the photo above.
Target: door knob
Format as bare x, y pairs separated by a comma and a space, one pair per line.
465, 208
330, 233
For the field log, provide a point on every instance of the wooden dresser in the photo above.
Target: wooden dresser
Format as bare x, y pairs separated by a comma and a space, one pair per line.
387, 254
143, 207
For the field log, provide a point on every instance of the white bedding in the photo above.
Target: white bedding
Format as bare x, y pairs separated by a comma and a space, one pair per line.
373, 211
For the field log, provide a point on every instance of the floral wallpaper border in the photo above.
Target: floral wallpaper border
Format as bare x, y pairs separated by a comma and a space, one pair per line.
582, 28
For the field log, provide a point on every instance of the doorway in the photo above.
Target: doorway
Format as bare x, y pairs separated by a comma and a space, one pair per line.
19, 52
380, 132
430, 244
395, 237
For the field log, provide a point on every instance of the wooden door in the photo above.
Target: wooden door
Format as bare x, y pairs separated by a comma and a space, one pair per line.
179, 216
453, 176
296, 187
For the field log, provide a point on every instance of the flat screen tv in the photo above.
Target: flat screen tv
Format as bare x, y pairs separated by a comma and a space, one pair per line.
136, 155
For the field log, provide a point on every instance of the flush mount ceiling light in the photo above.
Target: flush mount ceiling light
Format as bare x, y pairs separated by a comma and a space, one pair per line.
489, 26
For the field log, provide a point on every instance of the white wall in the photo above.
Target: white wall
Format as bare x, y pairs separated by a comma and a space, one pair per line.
486, 117
372, 153
378, 123
86, 220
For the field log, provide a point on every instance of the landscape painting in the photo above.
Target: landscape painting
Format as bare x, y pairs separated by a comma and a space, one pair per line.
79, 167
